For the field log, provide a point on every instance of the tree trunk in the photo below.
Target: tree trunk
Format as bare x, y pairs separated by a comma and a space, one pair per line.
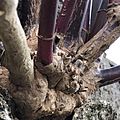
30, 89
19, 60
28, 12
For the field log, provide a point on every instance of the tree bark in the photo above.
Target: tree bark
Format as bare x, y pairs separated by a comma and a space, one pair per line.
32, 94
103, 39
19, 62
28, 12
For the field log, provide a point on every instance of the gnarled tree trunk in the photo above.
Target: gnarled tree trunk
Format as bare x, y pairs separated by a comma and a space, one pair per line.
30, 89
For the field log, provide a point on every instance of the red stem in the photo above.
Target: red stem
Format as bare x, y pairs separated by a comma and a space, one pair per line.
46, 31
65, 15
109, 76
111, 73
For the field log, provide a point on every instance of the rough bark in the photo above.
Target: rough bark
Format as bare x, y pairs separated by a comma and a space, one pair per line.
28, 12
88, 54
38, 100
103, 39
93, 49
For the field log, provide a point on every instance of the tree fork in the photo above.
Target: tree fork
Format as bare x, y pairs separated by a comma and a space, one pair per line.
31, 95
38, 100
98, 44
103, 39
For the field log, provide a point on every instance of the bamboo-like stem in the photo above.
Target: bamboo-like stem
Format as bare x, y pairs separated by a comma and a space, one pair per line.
109, 76
19, 62
46, 31
65, 15
83, 19
111, 73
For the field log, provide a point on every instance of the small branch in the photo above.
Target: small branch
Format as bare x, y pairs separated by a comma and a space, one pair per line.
111, 73
102, 40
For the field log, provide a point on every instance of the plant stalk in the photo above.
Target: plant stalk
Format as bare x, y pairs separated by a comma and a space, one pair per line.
65, 15
48, 14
